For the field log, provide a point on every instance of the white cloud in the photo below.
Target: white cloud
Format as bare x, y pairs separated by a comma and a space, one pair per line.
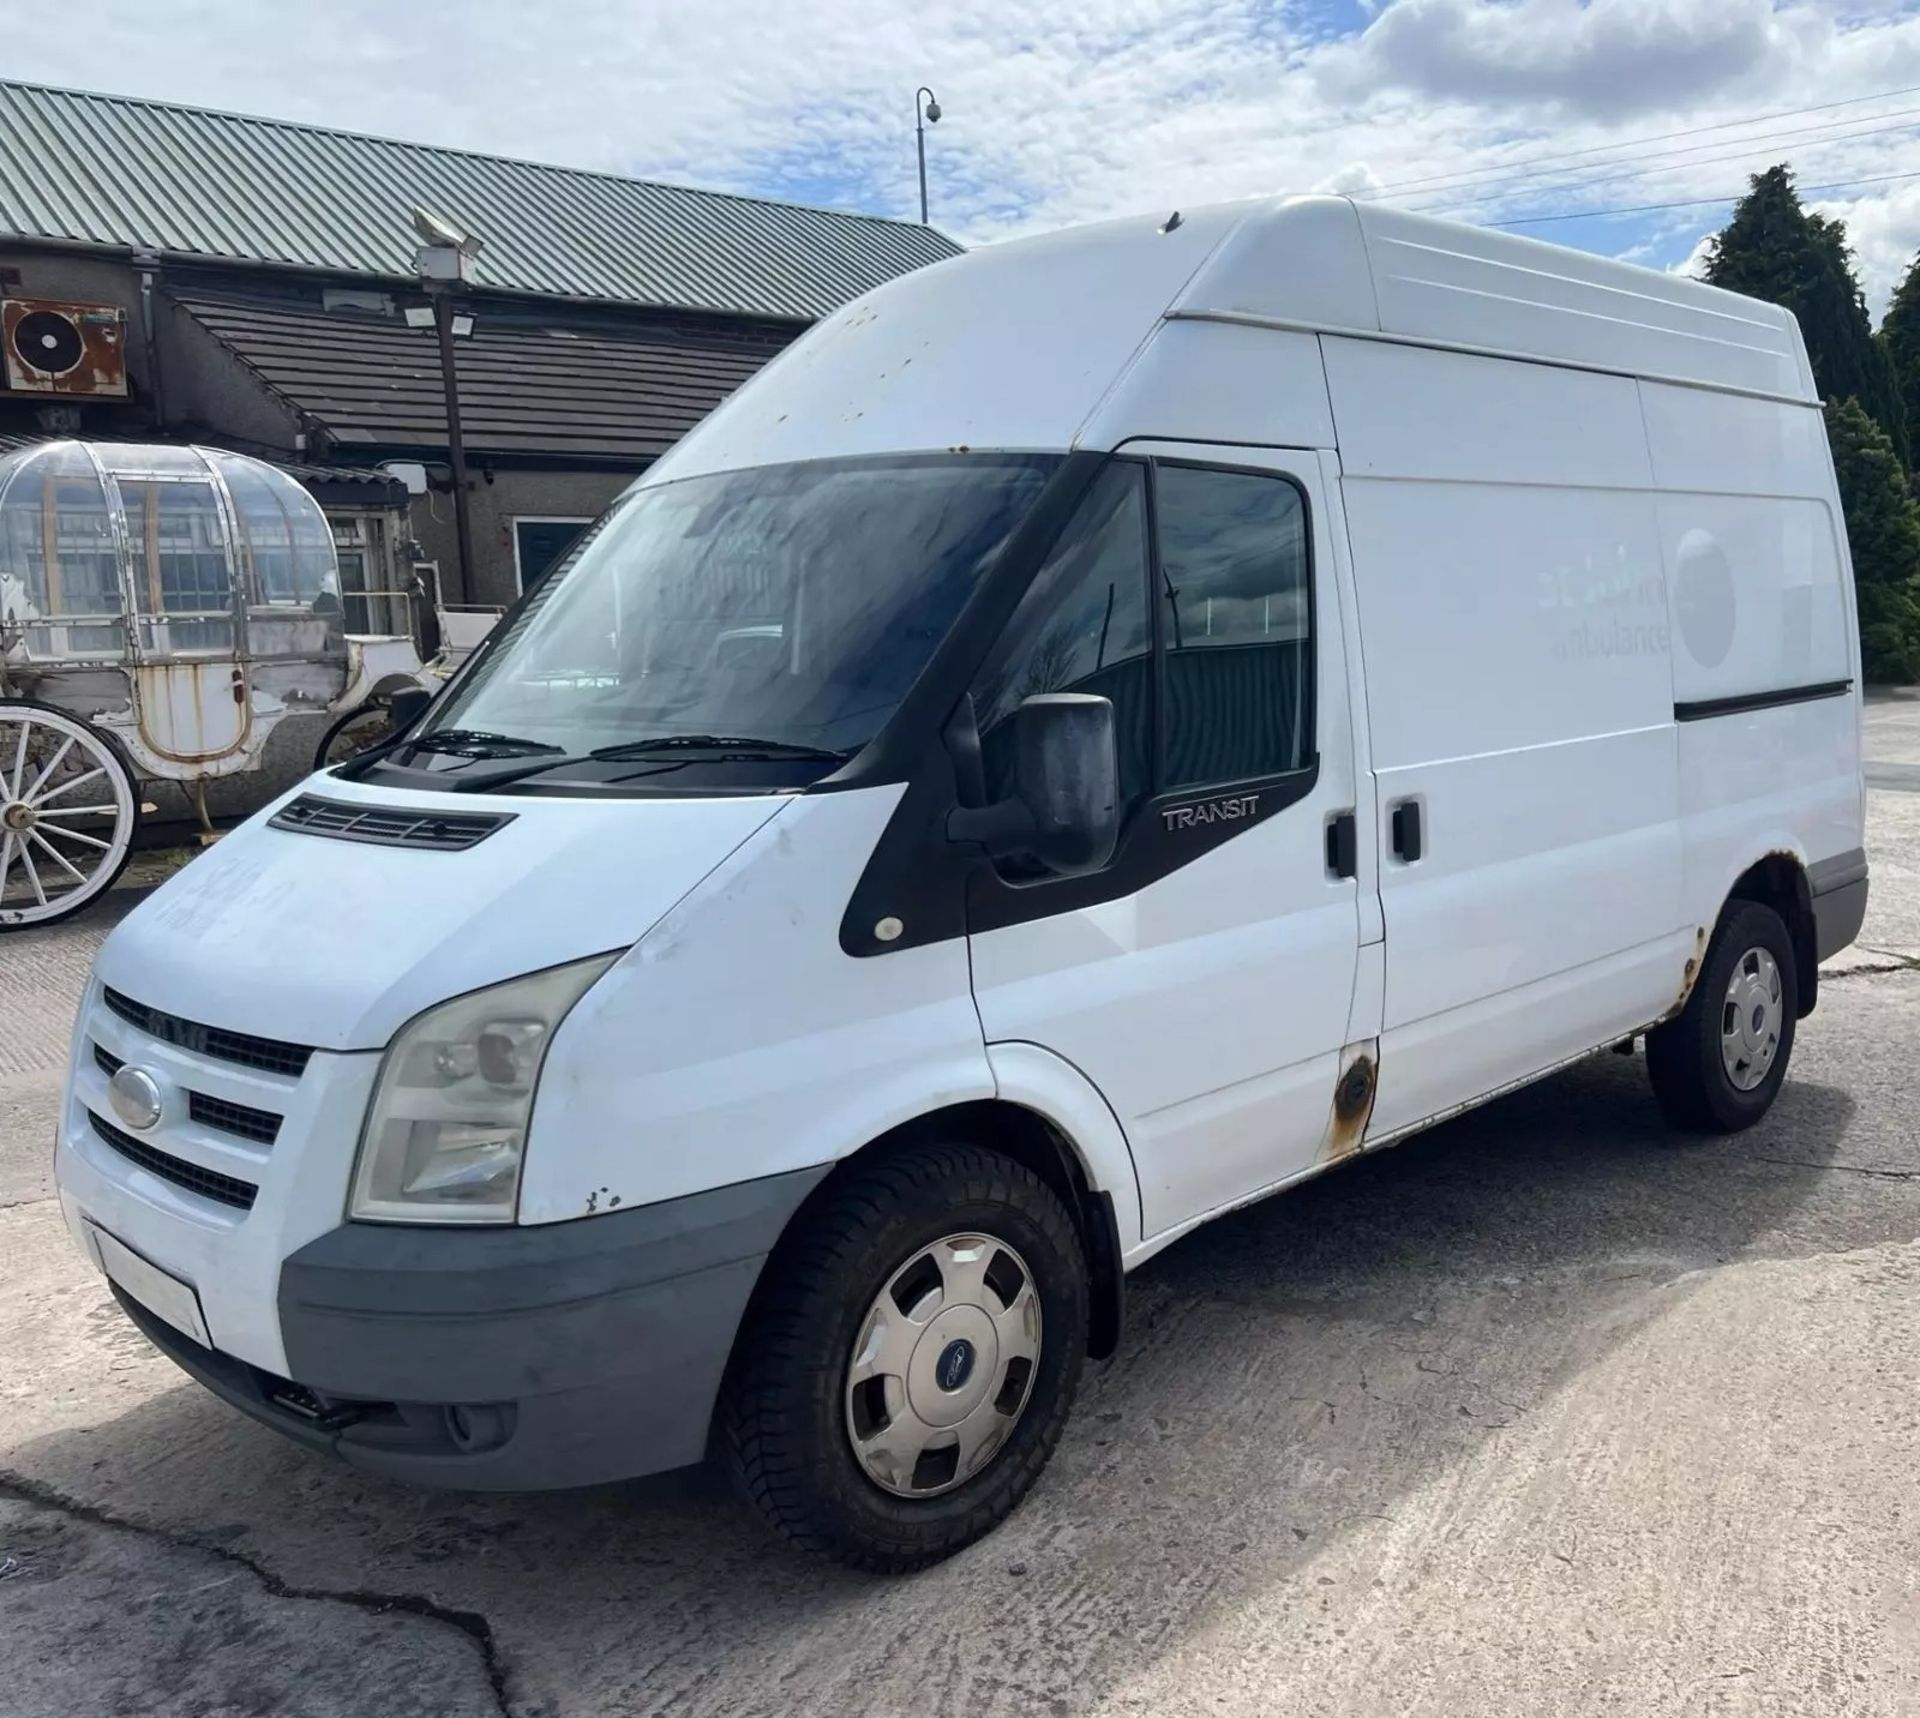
1356, 179
1082, 108
1694, 263
1623, 57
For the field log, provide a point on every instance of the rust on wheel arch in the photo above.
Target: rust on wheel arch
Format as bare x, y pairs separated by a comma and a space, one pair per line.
1689, 974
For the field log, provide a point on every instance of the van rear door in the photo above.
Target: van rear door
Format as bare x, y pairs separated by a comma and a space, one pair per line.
1202, 980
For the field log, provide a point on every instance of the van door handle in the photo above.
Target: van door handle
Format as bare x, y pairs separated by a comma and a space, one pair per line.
1343, 845
1407, 832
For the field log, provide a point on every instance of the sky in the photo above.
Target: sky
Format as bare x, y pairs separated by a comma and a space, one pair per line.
1073, 110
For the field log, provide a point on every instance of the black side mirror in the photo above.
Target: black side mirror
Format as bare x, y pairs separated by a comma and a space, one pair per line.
1065, 805
407, 706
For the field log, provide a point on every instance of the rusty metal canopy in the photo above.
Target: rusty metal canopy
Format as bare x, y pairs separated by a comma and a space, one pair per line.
128, 174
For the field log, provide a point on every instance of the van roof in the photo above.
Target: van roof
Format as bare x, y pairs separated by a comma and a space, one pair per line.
1017, 345
1303, 261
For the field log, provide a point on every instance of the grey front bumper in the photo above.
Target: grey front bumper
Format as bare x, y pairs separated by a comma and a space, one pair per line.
1838, 887
511, 1359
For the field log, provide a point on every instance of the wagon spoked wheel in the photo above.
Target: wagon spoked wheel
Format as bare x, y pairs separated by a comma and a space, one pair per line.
67, 815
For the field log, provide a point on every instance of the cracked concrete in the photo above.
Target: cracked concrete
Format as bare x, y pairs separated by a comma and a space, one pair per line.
1545, 1411
163, 1625
1843, 1168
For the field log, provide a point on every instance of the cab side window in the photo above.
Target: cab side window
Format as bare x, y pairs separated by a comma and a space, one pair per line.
1083, 626
1235, 625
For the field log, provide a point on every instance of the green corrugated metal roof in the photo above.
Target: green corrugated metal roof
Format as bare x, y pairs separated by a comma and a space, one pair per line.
146, 175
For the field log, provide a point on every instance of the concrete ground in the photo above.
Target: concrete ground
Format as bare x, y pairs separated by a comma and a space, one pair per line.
1543, 1412
1893, 738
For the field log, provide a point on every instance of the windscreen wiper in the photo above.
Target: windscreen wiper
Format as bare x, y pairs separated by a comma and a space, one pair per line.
722, 745
478, 743
663, 748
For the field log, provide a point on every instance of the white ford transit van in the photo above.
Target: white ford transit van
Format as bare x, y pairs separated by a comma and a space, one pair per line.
1100, 731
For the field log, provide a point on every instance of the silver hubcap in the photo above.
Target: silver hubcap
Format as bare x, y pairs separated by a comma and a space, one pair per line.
943, 1365
1750, 1021
66, 815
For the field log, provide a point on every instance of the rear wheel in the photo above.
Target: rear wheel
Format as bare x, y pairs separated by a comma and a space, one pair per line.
912, 1357
67, 814
1717, 1066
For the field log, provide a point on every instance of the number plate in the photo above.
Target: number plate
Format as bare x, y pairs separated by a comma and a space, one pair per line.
162, 1295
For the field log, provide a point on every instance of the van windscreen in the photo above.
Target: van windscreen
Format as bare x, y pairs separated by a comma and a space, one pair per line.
793, 603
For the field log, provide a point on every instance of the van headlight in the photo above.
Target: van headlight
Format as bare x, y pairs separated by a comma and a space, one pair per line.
448, 1122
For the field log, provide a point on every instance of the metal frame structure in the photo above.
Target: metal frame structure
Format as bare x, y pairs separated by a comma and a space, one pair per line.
162, 610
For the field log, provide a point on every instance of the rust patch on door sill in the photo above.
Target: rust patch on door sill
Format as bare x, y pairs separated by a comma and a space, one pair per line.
1352, 1102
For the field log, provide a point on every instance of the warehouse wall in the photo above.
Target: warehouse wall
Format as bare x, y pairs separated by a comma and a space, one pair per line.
543, 494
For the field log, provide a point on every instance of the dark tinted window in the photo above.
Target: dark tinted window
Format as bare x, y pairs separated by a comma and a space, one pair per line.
1233, 549
1082, 627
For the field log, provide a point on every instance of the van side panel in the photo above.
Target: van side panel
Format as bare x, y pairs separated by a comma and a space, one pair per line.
1747, 526
1761, 596
1507, 568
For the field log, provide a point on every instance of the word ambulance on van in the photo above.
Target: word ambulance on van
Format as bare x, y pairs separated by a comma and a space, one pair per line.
1098, 732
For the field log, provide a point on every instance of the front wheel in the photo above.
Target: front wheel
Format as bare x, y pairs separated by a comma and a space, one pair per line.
68, 808
911, 1358
1718, 1064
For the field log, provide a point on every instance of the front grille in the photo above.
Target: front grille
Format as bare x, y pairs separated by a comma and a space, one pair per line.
268, 1054
385, 826
208, 1183
261, 1126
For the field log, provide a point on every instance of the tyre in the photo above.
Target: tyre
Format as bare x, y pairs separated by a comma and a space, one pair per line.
68, 810
1717, 1065
356, 732
910, 1358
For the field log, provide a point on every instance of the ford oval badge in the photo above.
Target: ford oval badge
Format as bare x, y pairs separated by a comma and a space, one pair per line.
135, 1096
955, 1365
